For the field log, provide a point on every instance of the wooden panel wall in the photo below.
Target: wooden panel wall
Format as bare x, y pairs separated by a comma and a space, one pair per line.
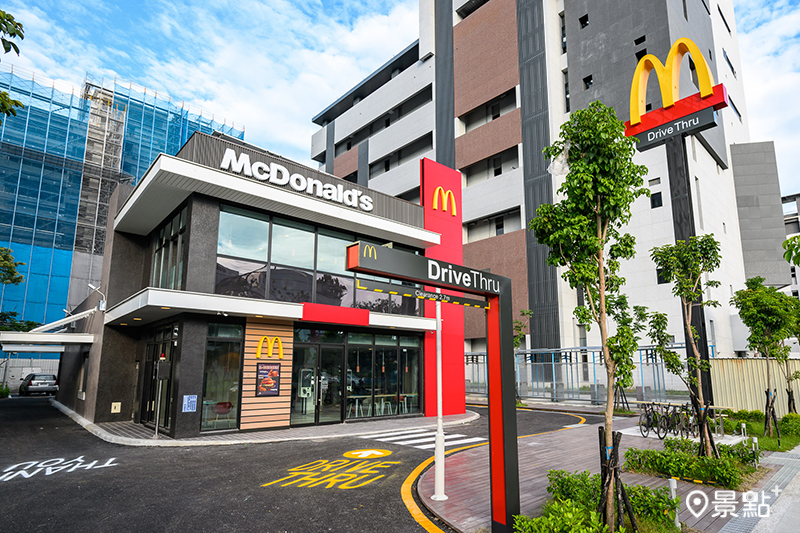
266, 411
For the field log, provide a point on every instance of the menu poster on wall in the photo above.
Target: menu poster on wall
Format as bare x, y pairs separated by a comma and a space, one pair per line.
268, 377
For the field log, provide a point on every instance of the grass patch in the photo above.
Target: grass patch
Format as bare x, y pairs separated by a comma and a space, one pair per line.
771, 443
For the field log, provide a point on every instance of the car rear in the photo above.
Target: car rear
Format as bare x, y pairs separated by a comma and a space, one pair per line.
45, 383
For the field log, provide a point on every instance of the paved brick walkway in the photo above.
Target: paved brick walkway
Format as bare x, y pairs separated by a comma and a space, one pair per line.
468, 507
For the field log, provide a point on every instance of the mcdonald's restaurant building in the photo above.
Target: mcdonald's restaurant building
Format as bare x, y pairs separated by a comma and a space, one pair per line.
228, 307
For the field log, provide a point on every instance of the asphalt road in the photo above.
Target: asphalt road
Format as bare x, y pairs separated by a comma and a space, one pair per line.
73, 481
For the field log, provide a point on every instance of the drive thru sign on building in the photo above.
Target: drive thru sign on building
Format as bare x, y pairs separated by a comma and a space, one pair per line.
504, 463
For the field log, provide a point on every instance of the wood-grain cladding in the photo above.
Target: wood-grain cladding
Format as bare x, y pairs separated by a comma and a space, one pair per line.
259, 412
346, 163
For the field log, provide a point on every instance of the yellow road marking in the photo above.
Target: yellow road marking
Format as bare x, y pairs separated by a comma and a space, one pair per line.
405, 489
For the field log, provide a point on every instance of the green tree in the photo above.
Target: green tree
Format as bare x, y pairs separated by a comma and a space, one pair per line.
783, 361
685, 264
791, 248
769, 314
10, 322
9, 29
521, 327
8, 268
583, 232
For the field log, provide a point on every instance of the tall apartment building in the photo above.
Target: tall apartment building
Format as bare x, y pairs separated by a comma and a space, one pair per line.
488, 85
61, 157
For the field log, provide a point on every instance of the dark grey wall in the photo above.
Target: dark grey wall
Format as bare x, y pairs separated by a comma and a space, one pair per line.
542, 278
126, 260
201, 236
758, 198
362, 178
187, 375
117, 377
445, 133
606, 51
330, 146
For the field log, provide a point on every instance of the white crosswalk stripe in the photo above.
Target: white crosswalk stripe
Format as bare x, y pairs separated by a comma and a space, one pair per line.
423, 439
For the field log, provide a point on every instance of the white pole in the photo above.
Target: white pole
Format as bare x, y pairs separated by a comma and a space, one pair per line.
438, 480
673, 493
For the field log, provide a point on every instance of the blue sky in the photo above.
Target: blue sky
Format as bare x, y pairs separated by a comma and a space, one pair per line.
272, 65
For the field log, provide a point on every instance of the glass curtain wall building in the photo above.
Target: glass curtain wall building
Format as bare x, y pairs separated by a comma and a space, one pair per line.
61, 157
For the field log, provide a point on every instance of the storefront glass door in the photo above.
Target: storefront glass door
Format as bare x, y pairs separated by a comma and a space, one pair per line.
385, 381
160, 342
316, 385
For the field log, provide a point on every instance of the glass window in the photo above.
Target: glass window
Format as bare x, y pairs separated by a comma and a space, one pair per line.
290, 285
408, 401
236, 277
411, 342
225, 330
334, 290
293, 244
375, 301
331, 255
386, 340
359, 338
359, 380
327, 336
221, 383
242, 236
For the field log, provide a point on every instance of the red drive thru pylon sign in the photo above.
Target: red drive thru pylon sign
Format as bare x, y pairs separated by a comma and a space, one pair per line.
434, 272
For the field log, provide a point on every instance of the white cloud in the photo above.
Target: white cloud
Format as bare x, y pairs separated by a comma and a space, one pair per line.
769, 46
271, 66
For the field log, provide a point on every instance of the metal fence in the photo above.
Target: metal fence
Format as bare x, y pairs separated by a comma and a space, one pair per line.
579, 374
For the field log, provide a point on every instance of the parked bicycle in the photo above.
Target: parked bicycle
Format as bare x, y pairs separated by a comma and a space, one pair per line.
670, 422
689, 426
648, 419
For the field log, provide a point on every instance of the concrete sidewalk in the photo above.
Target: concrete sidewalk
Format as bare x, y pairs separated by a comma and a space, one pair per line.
131, 434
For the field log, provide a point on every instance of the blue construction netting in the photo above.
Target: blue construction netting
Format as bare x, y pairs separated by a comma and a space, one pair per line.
42, 152
154, 125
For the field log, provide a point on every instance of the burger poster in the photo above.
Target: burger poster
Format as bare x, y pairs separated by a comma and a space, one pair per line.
268, 379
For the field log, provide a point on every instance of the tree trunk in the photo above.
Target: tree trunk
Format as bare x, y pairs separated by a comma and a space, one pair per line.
610, 372
687, 316
769, 393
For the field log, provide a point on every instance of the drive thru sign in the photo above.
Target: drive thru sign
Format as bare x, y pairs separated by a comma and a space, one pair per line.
504, 463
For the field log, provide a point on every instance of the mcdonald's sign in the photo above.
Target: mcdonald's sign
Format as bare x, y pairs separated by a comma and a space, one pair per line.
448, 194
677, 116
370, 251
271, 342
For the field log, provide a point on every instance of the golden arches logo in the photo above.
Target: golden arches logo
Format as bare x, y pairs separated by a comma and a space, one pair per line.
668, 77
446, 194
271, 342
370, 251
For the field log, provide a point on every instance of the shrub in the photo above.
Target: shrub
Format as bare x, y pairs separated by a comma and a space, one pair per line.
4, 392
724, 471
562, 516
739, 452
584, 489
790, 424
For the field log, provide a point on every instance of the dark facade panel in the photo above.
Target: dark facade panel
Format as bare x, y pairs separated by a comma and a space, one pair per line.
444, 142
363, 164
542, 278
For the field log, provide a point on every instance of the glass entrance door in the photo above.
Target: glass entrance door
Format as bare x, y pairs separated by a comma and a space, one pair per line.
316, 385
330, 384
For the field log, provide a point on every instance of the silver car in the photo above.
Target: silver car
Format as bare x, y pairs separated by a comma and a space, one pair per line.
46, 383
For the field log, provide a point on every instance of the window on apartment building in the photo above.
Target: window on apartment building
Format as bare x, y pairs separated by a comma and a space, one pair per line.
722, 16
685, 11
656, 200
387, 122
566, 92
640, 54
728, 61
640, 40
491, 110
653, 182
495, 111
796, 294
492, 166
349, 145
497, 163
387, 165
735, 109
563, 33
587, 82
498, 226
724, 228
662, 279
584, 21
